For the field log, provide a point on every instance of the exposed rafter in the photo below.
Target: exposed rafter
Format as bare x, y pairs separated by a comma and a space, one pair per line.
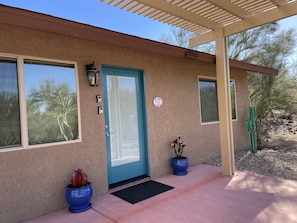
283, 11
204, 16
231, 8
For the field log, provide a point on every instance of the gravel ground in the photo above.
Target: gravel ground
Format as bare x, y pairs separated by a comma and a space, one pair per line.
277, 156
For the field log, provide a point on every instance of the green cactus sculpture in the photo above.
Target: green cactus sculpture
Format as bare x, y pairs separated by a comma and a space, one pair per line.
252, 128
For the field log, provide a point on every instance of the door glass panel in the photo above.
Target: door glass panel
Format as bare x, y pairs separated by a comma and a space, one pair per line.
123, 120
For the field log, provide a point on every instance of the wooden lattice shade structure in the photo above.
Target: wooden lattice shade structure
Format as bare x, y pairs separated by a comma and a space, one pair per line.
204, 16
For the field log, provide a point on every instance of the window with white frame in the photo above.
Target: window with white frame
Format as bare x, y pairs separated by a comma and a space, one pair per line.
209, 100
50, 111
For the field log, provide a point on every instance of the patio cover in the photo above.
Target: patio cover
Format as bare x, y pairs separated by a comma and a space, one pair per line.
214, 20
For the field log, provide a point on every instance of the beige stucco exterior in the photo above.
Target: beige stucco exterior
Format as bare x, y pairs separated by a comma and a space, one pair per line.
33, 180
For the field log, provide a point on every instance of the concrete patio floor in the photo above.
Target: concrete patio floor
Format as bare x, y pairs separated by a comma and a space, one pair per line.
204, 195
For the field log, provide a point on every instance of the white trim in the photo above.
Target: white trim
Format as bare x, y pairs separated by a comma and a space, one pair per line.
78, 103
22, 103
17, 148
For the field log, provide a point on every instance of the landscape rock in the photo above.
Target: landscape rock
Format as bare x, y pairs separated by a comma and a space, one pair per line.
277, 156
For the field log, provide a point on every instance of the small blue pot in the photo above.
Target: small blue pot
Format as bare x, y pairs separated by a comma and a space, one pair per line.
180, 166
79, 198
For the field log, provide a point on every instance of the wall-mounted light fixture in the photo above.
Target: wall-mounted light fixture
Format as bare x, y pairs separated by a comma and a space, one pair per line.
93, 74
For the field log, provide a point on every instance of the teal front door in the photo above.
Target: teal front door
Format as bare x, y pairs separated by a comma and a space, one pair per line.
124, 110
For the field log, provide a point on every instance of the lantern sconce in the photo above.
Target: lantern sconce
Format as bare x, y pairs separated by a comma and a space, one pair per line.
93, 74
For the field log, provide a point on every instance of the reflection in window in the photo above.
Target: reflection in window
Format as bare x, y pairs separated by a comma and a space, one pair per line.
233, 102
123, 120
209, 100
9, 105
51, 102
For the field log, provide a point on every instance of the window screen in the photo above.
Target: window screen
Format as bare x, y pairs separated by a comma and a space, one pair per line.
209, 100
10, 133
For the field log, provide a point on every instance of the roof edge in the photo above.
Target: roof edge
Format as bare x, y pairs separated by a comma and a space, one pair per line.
252, 67
42, 22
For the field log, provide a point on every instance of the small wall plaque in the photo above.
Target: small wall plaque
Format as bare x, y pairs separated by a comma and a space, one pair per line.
158, 102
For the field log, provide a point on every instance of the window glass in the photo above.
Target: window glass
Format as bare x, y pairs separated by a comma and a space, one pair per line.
10, 134
51, 102
233, 102
209, 100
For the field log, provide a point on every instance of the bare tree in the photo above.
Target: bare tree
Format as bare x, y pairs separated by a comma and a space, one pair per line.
54, 104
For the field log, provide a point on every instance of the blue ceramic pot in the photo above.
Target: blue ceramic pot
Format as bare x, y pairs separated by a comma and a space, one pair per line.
79, 198
180, 166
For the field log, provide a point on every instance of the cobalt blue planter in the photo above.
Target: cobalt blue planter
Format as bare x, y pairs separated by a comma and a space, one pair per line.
180, 166
79, 198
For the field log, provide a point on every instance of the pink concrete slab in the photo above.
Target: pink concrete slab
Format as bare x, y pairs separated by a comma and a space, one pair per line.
64, 216
204, 195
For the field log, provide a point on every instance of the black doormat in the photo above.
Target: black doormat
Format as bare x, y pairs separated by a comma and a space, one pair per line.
142, 191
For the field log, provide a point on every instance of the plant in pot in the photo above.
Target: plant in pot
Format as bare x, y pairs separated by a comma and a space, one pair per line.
79, 192
179, 163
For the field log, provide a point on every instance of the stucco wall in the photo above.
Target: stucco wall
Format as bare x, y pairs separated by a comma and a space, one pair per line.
33, 180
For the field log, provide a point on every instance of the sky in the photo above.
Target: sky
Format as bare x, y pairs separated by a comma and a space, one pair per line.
99, 14
96, 13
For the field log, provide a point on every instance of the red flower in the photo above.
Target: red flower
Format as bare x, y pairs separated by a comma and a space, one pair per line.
178, 146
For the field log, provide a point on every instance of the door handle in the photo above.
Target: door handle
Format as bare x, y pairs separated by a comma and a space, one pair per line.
107, 134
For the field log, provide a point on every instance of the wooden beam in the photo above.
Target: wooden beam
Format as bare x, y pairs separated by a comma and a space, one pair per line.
278, 2
281, 12
224, 103
233, 9
201, 39
263, 18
